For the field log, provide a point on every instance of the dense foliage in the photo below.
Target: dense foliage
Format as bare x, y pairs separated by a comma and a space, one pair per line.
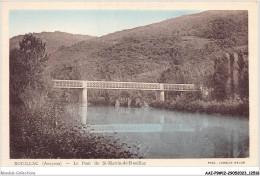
234, 107
243, 79
184, 46
220, 78
26, 66
42, 128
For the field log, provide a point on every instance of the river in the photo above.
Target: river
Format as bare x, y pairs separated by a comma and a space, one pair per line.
168, 134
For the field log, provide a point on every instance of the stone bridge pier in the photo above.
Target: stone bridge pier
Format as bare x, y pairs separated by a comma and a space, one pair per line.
160, 94
83, 96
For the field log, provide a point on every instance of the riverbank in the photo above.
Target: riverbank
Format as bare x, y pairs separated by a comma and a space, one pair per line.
54, 132
228, 107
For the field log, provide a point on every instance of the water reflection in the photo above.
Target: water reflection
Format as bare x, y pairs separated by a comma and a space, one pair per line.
171, 134
83, 111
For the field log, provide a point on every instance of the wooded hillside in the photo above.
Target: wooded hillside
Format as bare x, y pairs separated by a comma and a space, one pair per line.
178, 50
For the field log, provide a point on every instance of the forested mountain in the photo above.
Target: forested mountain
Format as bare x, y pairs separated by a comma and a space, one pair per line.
54, 40
178, 50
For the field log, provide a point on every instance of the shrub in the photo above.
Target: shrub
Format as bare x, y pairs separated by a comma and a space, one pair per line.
234, 107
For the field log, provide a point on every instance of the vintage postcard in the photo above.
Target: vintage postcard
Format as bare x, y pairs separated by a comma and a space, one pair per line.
129, 84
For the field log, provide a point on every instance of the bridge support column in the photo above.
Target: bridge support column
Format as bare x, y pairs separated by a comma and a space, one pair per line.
117, 102
129, 102
160, 94
84, 96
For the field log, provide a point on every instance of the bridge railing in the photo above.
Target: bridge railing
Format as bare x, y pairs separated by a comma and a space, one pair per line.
123, 85
68, 84
184, 87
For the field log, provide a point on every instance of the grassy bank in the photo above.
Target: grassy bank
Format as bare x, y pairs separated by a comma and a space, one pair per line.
228, 107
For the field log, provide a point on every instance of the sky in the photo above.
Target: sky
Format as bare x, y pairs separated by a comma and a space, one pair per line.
88, 22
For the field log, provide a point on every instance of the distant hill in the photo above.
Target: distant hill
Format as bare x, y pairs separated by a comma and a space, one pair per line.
54, 40
178, 50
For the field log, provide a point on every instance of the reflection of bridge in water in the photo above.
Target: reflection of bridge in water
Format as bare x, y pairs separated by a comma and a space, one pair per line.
111, 128
156, 122
159, 87
169, 134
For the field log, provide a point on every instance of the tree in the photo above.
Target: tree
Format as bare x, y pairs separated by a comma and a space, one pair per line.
16, 85
26, 70
220, 78
243, 82
66, 71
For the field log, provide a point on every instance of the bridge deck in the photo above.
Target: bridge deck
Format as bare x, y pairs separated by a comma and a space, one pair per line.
123, 85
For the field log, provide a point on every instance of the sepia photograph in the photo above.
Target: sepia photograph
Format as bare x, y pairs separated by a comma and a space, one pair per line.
115, 83
175, 85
